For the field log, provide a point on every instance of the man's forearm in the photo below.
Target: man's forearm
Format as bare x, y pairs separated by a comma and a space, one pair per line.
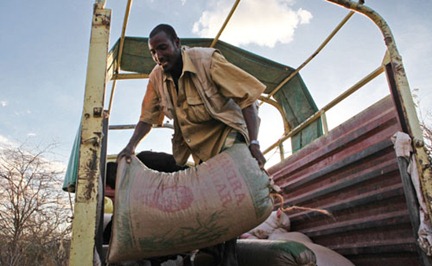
141, 130
252, 120
250, 115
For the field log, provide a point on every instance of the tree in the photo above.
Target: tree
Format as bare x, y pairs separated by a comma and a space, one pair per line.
425, 123
427, 134
33, 209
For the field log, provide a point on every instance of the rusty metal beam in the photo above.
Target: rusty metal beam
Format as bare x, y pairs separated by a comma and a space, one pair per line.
88, 188
132, 126
402, 96
130, 76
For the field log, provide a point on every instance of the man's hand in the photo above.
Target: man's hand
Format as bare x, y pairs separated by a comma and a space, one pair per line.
141, 130
127, 153
257, 154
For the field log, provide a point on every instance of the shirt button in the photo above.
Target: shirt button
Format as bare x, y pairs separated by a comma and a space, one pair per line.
188, 140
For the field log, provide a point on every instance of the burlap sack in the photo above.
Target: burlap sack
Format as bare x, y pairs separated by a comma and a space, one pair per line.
158, 214
256, 252
277, 219
324, 255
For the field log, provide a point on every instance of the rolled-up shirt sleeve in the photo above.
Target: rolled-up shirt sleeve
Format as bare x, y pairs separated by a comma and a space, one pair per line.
151, 112
233, 82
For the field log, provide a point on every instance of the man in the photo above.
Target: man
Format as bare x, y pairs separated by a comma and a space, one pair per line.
211, 101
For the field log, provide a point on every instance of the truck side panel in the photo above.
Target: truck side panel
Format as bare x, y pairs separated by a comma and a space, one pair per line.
353, 173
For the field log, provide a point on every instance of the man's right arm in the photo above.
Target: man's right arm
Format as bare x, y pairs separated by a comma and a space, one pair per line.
141, 130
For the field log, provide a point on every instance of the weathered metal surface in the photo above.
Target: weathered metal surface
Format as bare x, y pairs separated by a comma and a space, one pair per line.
88, 187
353, 173
401, 93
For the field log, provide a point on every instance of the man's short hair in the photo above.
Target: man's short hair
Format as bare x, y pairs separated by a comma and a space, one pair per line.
168, 29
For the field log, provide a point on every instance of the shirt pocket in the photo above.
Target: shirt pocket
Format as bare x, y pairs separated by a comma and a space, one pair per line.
196, 111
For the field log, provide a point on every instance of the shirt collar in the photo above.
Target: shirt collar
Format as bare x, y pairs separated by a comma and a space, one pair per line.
188, 66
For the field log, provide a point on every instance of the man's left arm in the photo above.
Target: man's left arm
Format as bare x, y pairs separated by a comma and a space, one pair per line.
250, 115
244, 89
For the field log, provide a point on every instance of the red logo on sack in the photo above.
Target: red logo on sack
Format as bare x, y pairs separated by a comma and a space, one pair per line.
170, 199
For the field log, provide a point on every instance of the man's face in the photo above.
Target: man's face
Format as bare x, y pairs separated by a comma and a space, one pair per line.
165, 52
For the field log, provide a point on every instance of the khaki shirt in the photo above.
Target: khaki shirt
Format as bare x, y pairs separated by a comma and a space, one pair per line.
198, 129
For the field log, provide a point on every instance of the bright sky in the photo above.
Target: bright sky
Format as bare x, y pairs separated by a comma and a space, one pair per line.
45, 47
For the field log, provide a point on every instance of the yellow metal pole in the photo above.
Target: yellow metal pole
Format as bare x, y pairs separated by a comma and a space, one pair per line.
317, 51
378, 71
120, 53
403, 96
323, 44
85, 221
327, 107
131, 76
215, 40
324, 122
279, 108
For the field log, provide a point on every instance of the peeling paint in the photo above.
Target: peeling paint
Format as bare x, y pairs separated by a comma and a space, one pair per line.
86, 209
91, 171
101, 19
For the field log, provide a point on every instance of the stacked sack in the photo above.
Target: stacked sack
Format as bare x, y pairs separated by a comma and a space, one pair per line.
277, 227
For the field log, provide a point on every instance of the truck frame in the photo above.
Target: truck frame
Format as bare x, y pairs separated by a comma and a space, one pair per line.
352, 171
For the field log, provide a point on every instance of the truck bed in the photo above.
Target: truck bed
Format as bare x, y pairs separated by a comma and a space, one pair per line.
353, 173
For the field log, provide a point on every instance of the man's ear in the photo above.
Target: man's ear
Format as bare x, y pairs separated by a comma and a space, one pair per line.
177, 42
